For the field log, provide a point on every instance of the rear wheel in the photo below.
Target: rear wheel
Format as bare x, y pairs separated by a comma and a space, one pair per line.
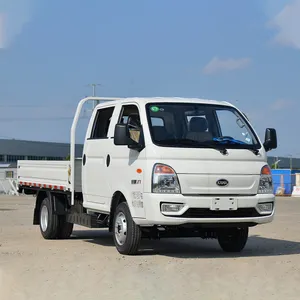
233, 239
65, 228
53, 226
49, 223
126, 234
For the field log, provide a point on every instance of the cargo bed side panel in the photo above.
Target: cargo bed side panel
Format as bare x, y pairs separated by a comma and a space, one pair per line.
44, 172
49, 173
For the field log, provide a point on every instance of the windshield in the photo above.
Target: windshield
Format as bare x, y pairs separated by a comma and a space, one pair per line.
199, 125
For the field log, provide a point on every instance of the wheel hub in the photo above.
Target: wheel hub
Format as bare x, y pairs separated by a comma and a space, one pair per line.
121, 228
44, 218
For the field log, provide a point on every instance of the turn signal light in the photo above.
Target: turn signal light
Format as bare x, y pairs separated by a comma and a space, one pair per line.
266, 170
162, 169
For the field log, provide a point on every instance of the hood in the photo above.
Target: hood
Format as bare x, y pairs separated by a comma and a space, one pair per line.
201, 170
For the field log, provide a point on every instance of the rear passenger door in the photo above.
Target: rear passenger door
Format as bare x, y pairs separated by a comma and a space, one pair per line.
96, 189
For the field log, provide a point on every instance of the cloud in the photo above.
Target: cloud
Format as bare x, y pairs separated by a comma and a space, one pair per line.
287, 24
218, 65
281, 104
14, 15
272, 8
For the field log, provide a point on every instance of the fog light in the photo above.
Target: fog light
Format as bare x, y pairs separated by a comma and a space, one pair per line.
174, 207
265, 208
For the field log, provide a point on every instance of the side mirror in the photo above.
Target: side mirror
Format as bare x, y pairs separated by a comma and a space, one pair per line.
270, 139
120, 135
136, 139
135, 132
125, 136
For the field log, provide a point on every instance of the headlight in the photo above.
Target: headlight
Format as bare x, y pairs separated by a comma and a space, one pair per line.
265, 182
165, 180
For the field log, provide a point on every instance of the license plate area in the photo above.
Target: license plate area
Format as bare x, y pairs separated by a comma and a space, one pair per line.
224, 203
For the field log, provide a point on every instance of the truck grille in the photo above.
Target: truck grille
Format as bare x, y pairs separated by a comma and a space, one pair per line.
207, 213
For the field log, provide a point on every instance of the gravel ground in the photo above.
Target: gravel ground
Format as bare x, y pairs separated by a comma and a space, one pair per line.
87, 266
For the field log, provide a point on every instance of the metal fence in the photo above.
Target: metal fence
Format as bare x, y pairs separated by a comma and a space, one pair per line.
284, 184
9, 187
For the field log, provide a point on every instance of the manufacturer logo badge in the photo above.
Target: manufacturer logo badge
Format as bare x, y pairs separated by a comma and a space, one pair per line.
222, 182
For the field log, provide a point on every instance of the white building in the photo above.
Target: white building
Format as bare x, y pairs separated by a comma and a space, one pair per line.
8, 176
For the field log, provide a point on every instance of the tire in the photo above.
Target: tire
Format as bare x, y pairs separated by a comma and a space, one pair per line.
49, 222
233, 239
53, 226
65, 229
126, 234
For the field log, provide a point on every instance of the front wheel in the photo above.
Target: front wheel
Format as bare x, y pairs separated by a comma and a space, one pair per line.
126, 234
233, 239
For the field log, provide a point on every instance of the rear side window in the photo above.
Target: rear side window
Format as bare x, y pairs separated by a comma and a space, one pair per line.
102, 122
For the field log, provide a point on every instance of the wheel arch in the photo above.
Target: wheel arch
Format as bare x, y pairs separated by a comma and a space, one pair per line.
59, 202
118, 197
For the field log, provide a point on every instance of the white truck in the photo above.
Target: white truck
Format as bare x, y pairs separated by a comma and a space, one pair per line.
155, 168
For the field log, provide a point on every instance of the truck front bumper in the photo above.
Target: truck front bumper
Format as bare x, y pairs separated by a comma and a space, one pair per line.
200, 210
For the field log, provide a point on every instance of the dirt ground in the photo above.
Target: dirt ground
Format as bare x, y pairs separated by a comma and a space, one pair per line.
87, 266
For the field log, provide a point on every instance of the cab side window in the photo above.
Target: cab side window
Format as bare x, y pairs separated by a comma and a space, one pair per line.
133, 122
101, 124
126, 111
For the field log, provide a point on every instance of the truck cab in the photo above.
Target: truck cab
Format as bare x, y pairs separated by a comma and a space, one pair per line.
174, 167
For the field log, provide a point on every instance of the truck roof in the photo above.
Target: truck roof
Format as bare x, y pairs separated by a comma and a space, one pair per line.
145, 100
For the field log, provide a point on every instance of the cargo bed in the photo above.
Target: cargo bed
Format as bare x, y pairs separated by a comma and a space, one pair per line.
53, 175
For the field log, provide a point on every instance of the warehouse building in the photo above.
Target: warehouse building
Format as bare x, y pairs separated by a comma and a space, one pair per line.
13, 150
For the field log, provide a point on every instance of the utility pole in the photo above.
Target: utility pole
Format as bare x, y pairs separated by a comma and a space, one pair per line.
93, 85
291, 160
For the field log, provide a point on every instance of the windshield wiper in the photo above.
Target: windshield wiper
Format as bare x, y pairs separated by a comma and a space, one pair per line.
255, 151
183, 142
232, 141
217, 144
189, 142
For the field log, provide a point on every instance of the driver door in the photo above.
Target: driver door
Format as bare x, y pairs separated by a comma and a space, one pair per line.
126, 162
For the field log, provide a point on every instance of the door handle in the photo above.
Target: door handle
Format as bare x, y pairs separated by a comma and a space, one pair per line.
84, 160
107, 160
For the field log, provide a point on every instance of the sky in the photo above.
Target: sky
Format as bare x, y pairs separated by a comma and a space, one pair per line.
244, 52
